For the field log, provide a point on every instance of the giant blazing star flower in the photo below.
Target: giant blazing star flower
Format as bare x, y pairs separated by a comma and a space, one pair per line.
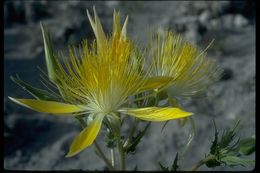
189, 70
98, 81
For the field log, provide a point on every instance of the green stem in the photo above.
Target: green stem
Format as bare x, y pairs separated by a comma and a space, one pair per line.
202, 162
121, 154
112, 157
121, 150
102, 155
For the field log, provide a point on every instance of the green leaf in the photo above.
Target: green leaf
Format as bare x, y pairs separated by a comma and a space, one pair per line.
136, 140
162, 95
164, 125
214, 146
175, 165
51, 61
151, 101
111, 138
39, 94
212, 163
247, 146
234, 161
228, 136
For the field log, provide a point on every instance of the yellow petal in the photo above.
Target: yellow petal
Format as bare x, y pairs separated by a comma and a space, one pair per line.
117, 26
123, 33
116, 22
48, 106
155, 82
156, 113
97, 28
86, 137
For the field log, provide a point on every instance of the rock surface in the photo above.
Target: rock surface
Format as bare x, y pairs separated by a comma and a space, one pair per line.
35, 141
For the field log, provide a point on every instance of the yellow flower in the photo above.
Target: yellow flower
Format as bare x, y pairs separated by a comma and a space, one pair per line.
189, 69
98, 81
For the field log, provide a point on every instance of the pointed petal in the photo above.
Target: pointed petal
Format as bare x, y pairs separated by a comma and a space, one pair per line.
156, 113
48, 106
123, 32
116, 22
155, 82
97, 28
92, 23
86, 137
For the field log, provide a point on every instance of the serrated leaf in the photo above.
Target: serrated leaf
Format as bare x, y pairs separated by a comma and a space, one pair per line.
228, 136
214, 146
247, 146
212, 163
39, 94
234, 161
110, 139
136, 140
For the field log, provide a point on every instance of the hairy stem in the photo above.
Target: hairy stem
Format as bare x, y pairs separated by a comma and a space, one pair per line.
201, 162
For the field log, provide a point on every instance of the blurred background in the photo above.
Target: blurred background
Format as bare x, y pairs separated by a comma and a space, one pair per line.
36, 141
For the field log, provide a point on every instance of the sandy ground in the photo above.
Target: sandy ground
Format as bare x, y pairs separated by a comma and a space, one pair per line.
35, 141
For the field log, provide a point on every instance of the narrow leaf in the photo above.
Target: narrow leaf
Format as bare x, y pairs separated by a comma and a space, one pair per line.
175, 165
234, 161
164, 125
247, 146
214, 146
228, 136
35, 92
136, 140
